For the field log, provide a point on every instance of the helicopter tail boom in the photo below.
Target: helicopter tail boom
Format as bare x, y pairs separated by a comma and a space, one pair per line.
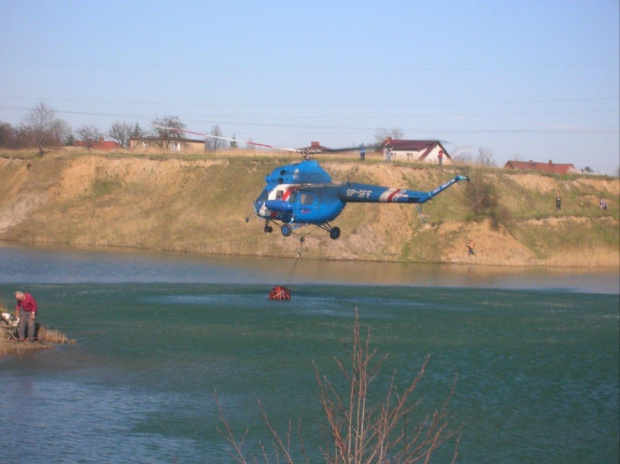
363, 193
443, 187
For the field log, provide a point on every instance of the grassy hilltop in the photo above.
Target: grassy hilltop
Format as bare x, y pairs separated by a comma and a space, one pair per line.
198, 203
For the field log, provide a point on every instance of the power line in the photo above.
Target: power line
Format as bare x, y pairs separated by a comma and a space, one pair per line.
328, 106
578, 130
316, 67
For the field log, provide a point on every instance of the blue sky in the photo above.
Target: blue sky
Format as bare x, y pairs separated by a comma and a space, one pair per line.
533, 79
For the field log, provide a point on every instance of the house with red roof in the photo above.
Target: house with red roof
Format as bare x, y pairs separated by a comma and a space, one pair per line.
546, 167
100, 144
418, 151
159, 144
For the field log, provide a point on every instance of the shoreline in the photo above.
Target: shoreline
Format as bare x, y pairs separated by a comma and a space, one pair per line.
92, 266
541, 264
46, 339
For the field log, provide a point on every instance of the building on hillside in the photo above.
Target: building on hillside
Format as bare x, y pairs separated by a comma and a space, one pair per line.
420, 151
177, 145
100, 144
547, 167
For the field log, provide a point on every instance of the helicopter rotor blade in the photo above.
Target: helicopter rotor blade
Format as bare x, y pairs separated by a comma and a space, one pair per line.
203, 134
303, 151
340, 150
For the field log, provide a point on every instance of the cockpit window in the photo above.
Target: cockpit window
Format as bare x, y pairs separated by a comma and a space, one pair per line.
263, 196
307, 199
292, 197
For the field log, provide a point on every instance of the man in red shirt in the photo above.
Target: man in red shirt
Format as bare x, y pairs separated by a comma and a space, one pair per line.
26, 311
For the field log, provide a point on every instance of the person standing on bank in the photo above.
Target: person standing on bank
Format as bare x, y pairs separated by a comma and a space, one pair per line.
26, 311
470, 248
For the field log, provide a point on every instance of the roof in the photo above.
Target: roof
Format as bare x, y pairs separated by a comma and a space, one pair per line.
547, 167
100, 145
425, 146
315, 147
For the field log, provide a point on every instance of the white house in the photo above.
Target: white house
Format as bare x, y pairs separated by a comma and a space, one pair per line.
419, 151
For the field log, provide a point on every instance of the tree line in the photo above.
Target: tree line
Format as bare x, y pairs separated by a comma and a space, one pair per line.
41, 128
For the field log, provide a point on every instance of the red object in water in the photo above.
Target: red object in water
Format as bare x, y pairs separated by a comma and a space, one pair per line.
280, 293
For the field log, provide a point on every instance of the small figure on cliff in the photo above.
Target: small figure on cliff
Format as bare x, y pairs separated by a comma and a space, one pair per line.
387, 155
470, 248
26, 312
558, 202
603, 204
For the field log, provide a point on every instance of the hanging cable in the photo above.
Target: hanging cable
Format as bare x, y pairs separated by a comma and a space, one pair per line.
302, 239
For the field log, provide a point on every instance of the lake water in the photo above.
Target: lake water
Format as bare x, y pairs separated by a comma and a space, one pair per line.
536, 353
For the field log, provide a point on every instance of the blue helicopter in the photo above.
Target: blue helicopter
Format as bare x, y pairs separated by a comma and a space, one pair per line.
303, 193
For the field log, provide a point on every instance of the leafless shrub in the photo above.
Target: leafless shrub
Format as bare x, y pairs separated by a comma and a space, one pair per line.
480, 194
381, 433
485, 157
387, 432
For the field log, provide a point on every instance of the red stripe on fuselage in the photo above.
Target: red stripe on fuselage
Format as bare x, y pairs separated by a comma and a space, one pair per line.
390, 198
287, 193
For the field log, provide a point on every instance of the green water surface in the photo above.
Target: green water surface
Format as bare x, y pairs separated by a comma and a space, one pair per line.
538, 371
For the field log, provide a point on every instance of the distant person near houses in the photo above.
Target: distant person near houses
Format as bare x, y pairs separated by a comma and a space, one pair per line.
362, 152
440, 157
386, 152
558, 202
26, 311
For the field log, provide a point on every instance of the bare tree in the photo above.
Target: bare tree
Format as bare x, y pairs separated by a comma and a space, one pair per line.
89, 135
121, 132
42, 128
485, 157
168, 130
213, 143
381, 134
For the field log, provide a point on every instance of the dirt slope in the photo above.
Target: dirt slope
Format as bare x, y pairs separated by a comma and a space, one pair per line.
200, 205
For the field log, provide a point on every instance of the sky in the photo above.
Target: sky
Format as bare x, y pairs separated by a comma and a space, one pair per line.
527, 80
